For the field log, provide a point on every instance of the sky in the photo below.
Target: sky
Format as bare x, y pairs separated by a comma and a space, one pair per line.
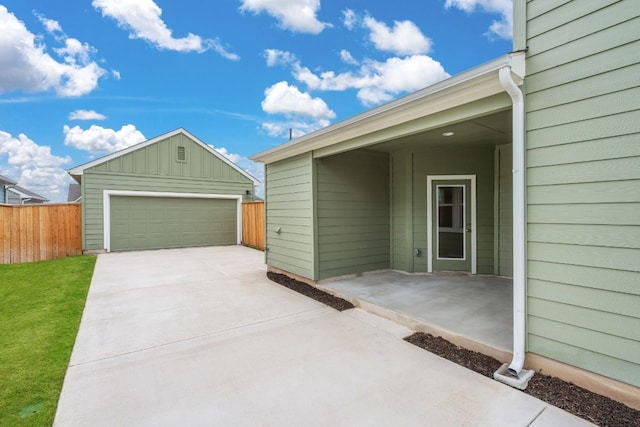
80, 79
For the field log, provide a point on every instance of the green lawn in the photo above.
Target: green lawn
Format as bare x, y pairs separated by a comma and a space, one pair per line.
41, 305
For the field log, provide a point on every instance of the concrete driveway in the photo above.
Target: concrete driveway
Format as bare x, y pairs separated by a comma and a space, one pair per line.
200, 337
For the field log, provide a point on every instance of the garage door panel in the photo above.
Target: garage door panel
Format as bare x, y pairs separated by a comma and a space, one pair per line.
167, 222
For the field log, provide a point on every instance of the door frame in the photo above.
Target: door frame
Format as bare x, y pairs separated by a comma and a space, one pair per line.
474, 232
106, 208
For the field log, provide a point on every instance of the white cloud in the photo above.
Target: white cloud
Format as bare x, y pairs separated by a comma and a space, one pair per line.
297, 128
34, 167
86, 115
303, 113
25, 64
288, 100
295, 15
347, 58
378, 82
142, 19
349, 18
99, 140
50, 25
503, 27
278, 57
405, 38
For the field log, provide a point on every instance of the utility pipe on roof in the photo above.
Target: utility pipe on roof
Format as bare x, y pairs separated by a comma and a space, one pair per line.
517, 99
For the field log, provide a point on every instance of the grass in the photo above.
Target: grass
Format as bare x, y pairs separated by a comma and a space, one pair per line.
41, 305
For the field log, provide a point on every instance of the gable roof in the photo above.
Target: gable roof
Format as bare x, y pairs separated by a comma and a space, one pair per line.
78, 171
6, 181
74, 193
27, 194
472, 85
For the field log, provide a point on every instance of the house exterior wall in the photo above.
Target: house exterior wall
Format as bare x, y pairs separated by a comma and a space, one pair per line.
155, 168
13, 198
353, 213
503, 212
583, 184
290, 230
402, 210
477, 161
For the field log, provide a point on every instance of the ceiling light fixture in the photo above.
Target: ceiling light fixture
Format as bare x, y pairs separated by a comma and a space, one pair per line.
447, 134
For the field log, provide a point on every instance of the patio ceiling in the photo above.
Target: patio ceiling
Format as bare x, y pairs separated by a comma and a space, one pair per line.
492, 129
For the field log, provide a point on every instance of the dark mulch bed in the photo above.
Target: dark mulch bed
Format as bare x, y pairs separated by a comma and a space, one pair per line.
583, 403
310, 291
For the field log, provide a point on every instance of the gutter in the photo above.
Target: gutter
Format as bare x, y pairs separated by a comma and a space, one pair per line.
518, 377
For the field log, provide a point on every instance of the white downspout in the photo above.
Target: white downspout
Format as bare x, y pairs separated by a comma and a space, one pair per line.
519, 332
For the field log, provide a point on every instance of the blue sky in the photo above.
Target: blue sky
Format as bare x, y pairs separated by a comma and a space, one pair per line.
83, 78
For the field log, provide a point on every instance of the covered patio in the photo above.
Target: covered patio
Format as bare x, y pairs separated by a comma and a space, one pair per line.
471, 310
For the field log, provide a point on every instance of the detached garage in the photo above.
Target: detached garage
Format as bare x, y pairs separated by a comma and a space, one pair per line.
167, 192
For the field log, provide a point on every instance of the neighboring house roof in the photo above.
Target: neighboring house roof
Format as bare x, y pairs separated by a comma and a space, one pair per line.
76, 172
27, 195
74, 193
6, 181
475, 84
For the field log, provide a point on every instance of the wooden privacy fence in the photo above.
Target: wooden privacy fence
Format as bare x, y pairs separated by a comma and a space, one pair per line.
39, 232
253, 224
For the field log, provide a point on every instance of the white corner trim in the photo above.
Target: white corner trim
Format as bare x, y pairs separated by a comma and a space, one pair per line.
474, 230
106, 207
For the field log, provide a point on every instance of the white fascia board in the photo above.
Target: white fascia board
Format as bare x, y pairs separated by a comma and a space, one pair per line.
477, 83
78, 171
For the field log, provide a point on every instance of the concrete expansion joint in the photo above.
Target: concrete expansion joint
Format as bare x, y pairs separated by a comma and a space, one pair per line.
196, 337
537, 416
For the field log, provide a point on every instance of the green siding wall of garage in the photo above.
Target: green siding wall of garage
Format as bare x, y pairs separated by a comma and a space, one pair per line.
139, 222
583, 184
353, 213
290, 231
156, 168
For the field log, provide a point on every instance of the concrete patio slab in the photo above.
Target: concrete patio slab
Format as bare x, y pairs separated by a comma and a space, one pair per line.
475, 306
201, 337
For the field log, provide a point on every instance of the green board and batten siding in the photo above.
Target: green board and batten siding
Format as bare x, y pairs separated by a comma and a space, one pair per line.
583, 184
156, 168
353, 213
289, 215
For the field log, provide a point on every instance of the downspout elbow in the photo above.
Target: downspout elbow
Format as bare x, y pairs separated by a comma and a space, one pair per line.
519, 331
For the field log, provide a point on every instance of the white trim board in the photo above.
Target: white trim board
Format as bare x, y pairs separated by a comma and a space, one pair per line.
106, 208
474, 231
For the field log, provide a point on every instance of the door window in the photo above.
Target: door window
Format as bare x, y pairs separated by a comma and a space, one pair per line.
450, 221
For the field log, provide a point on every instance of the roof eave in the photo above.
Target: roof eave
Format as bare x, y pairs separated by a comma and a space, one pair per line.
439, 93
